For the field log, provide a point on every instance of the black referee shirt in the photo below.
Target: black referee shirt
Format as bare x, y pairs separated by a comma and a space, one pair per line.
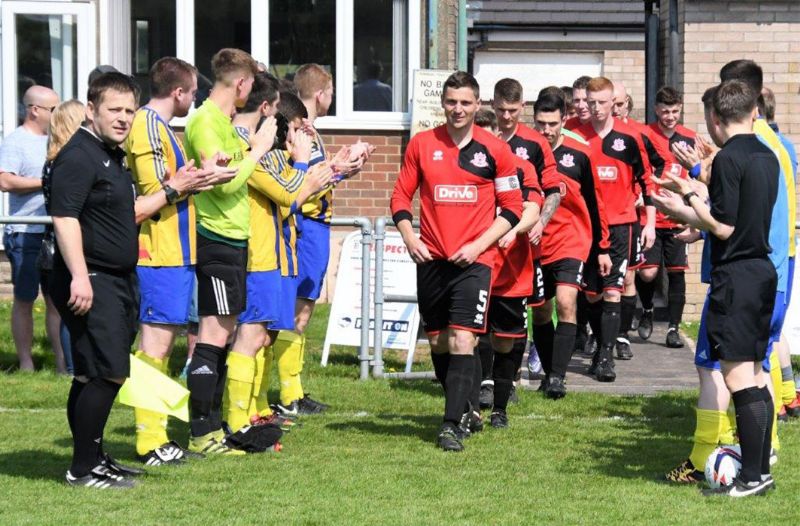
744, 183
90, 182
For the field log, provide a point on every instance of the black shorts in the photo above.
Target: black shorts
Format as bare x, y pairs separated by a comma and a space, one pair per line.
537, 299
740, 304
221, 278
508, 317
102, 338
624, 240
453, 296
566, 272
637, 250
667, 251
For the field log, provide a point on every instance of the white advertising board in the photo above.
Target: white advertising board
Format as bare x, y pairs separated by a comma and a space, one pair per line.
400, 320
791, 325
426, 101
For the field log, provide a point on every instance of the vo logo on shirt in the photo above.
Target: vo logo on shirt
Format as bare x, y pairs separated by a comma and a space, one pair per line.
607, 173
454, 193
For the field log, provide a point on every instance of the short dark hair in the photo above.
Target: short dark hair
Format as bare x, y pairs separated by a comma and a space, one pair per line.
668, 96
486, 118
291, 107
265, 88
169, 73
229, 62
734, 101
767, 100
461, 79
744, 70
708, 97
566, 92
111, 81
508, 90
581, 82
549, 101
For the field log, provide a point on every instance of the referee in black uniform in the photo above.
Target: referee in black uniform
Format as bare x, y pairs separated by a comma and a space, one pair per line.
94, 286
743, 189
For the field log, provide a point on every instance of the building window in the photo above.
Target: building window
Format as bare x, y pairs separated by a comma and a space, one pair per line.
369, 46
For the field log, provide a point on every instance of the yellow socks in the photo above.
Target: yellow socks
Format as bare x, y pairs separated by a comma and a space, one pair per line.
151, 427
288, 350
777, 380
239, 388
726, 435
707, 435
259, 404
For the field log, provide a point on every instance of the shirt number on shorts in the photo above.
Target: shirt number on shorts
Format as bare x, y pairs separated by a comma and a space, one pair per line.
483, 296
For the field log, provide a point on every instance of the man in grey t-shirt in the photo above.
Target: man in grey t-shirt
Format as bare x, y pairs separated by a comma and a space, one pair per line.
22, 157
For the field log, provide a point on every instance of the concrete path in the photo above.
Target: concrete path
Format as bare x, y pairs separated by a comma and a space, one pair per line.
654, 368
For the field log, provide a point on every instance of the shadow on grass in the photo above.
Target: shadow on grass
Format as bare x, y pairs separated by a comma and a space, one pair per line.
423, 386
35, 464
390, 424
652, 441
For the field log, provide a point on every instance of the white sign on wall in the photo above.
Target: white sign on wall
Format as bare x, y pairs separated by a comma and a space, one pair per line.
400, 320
426, 100
791, 325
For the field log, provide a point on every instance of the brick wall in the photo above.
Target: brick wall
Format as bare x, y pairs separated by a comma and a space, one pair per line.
627, 66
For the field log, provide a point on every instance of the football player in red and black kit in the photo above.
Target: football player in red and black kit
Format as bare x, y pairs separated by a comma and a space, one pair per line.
655, 158
578, 226
668, 250
463, 174
512, 284
531, 146
619, 164
579, 104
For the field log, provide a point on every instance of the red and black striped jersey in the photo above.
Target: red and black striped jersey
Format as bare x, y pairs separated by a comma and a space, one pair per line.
580, 220
530, 145
663, 144
573, 123
619, 162
513, 269
654, 159
459, 189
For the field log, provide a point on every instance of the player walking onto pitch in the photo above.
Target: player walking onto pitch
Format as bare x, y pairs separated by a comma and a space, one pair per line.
463, 173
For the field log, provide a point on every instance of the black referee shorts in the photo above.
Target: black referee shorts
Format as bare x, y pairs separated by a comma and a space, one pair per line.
740, 304
102, 338
453, 296
221, 278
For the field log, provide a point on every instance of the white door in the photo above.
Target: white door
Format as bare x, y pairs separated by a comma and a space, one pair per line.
46, 43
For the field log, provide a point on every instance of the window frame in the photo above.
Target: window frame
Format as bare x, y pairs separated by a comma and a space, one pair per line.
345, 118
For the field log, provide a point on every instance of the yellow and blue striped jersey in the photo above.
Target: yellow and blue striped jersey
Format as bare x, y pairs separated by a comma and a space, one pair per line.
273, 184
762, 129
154, 154
279, 162
319, 206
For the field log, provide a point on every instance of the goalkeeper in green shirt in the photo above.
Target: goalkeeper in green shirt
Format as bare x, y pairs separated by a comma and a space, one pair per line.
223, 228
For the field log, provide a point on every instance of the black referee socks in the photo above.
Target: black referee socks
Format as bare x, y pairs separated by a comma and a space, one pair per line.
202, 381
459, 383
751, 424
74, 393
767, 449
90, 414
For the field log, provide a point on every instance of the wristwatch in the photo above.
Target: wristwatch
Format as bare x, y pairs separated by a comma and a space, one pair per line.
688, 197
172, 194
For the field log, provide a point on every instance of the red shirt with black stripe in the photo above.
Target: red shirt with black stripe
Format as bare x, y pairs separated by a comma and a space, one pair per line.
580, 220
683, 136
530, 145
513, 270
573, 123
459, 189
622, 170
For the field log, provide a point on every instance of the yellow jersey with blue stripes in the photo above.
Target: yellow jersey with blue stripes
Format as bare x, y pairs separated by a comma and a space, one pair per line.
319, 206
279, 163
762, 129
274, 184
155, 154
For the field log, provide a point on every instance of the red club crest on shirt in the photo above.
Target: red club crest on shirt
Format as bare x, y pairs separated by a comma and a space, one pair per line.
562, 189
675, 169
607, 173
619, 145
567, 160
479, 160
522, 153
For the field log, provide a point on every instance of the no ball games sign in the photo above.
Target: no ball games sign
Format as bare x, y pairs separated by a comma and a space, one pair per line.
426, 104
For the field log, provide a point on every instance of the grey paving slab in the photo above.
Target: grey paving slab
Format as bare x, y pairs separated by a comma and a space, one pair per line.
654, 368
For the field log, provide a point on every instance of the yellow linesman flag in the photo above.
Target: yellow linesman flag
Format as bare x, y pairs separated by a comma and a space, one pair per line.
148, 388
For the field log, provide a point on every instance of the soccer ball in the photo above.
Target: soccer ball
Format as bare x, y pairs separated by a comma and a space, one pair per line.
723, 465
